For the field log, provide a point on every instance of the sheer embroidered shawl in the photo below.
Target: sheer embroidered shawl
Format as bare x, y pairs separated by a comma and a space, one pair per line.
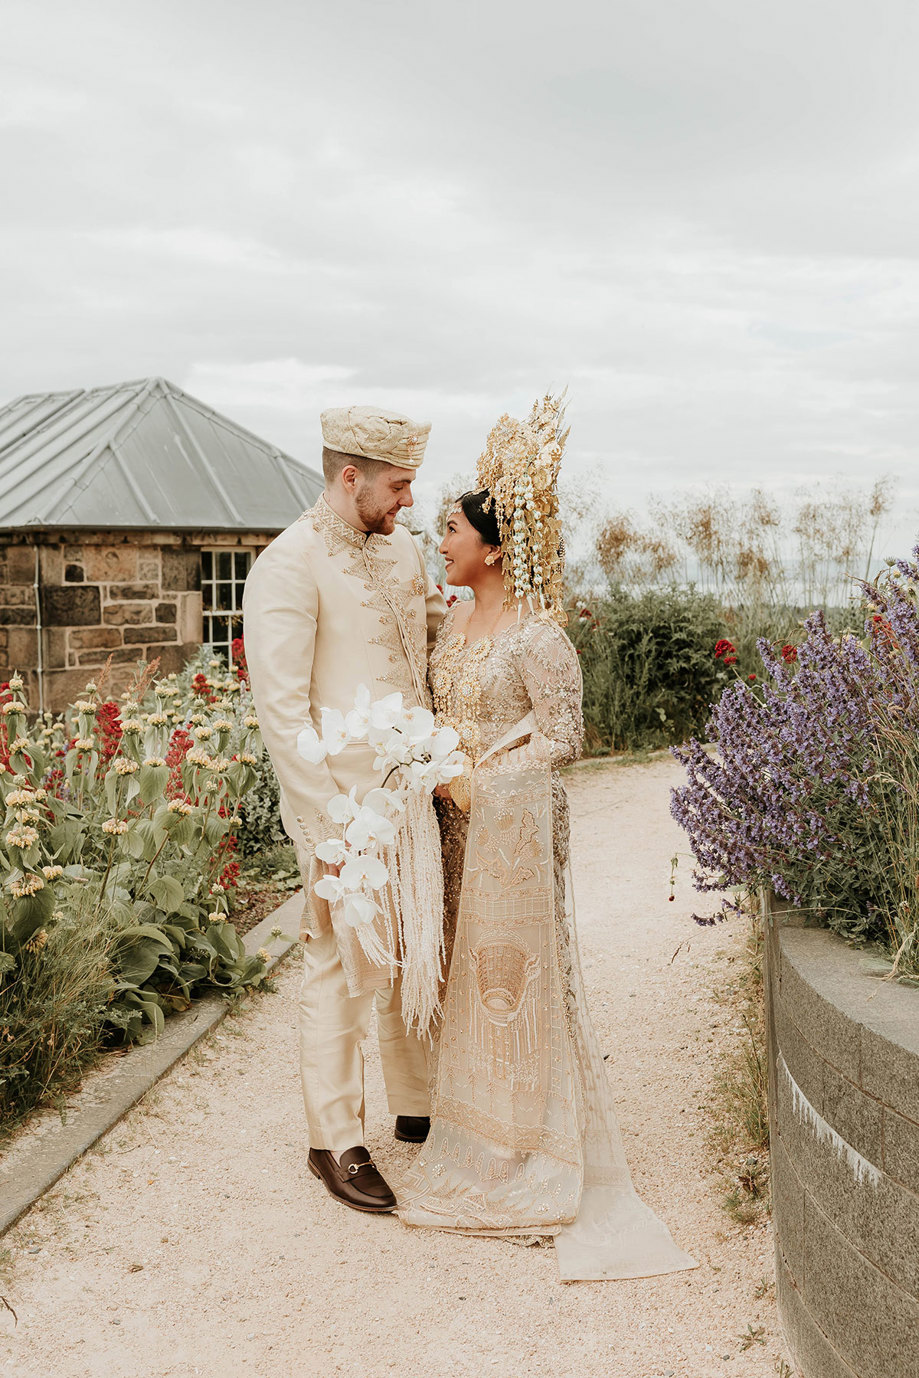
524, 1138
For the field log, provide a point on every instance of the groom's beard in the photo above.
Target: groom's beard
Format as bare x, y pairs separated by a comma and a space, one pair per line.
379, 521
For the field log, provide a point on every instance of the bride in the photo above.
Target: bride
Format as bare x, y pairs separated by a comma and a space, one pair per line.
523, 1136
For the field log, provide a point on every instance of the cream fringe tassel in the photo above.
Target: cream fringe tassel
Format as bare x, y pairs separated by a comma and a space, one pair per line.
412, 921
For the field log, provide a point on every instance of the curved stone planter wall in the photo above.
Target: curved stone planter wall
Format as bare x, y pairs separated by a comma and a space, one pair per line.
844, 1117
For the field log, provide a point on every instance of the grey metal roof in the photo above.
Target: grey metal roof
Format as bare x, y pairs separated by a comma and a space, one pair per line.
142, 454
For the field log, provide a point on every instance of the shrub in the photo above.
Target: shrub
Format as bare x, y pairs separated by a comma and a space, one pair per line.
648, 664
815, 787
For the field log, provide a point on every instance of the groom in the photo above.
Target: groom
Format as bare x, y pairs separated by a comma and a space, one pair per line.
339, 599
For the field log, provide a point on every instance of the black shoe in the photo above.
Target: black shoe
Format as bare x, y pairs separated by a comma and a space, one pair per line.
412, 1129
354, 1181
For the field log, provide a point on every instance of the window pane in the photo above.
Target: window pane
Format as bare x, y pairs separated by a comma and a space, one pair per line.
225, 564
207, 564
207, 595
219, 631
242, 560
224, 596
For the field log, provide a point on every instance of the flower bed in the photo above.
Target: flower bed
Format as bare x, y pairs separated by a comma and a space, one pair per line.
118, 868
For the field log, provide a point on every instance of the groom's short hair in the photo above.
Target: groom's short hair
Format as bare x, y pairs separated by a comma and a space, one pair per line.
333, 461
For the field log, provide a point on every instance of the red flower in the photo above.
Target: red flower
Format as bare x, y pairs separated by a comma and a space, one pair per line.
789, 654
238, 657
730, 660
723, 649
751, 679
108, 718
202, 689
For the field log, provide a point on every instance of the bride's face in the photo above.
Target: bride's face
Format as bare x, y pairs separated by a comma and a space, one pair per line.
464, 551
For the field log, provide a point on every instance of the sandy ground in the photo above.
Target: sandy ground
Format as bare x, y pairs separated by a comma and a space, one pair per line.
194, 1241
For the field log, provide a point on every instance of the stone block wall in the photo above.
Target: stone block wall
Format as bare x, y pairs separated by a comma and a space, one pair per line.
128, 596
844, 1119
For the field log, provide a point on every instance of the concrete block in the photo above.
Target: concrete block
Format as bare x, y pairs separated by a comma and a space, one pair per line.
126, 593
63, 686
181, 570
109, 564
855, 1116
812, 1352
788, 1210
166, 612
71, 605
174, 658
825, 1027
20, 564
74, 574
805, 1065
22, 647
901, 1149
18, 596
107, 637
889, 1069
148, 566
149, 636
121, 655
17, 617
874, 1324
124, 614
54, 647
52, 564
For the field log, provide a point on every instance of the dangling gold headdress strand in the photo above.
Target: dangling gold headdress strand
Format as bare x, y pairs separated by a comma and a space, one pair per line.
519, 467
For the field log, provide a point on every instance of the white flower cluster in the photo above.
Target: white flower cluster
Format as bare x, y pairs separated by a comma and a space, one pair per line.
407, 744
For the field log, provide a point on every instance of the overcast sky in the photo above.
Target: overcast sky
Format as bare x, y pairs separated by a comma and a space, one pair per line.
700, 215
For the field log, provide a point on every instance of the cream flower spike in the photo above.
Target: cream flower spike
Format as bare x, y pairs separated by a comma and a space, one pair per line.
519, 467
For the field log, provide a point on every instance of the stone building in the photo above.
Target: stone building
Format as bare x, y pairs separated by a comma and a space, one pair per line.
129, 517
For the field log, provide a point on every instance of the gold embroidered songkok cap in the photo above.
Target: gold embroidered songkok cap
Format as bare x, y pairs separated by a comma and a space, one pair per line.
373, 433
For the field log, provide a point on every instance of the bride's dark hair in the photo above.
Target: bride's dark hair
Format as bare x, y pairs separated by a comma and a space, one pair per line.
485, 523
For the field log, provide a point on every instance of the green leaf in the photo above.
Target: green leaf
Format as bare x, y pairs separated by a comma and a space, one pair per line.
167, 892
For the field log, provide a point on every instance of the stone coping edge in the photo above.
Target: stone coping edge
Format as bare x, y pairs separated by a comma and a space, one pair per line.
134, 1074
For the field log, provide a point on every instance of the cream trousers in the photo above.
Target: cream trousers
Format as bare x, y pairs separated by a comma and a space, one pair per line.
333, 1024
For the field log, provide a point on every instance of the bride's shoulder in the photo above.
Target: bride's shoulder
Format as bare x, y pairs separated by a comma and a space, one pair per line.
455, 619
540, 637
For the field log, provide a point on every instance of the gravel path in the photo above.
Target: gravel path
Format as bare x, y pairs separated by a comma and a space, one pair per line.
194, 1241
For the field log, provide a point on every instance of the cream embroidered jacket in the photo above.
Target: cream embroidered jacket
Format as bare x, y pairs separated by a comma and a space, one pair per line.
327, 608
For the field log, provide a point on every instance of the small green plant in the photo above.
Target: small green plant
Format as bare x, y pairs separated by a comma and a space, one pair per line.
754, 1335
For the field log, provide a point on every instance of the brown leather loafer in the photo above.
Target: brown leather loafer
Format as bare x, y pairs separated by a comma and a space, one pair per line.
412, 1129
354, 1181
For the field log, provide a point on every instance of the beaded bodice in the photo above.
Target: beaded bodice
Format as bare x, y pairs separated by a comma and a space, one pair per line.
484, 689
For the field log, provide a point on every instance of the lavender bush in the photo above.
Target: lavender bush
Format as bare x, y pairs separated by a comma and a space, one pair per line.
815, 787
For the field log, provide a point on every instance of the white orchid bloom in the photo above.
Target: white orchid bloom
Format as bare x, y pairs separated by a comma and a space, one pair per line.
358, 720
358, 909
385, 713
417, 724
311, 746
359, 871
384, 801
450, 767
334, 851
370, 828
341, 808
331, 888
445, 741
335, 735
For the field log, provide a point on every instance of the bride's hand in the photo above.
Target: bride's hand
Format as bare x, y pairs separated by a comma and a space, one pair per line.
442, 792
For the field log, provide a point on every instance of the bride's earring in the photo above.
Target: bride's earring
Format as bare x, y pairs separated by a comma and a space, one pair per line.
490, 559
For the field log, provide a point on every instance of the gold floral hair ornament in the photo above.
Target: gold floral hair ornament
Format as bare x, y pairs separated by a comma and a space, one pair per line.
519, 467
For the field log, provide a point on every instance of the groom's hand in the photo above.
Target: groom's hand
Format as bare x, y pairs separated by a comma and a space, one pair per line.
331, 870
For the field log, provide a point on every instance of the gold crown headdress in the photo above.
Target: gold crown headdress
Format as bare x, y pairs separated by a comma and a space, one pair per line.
519, 467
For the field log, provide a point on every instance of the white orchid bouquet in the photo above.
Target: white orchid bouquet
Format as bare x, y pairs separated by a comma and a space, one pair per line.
410, 747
